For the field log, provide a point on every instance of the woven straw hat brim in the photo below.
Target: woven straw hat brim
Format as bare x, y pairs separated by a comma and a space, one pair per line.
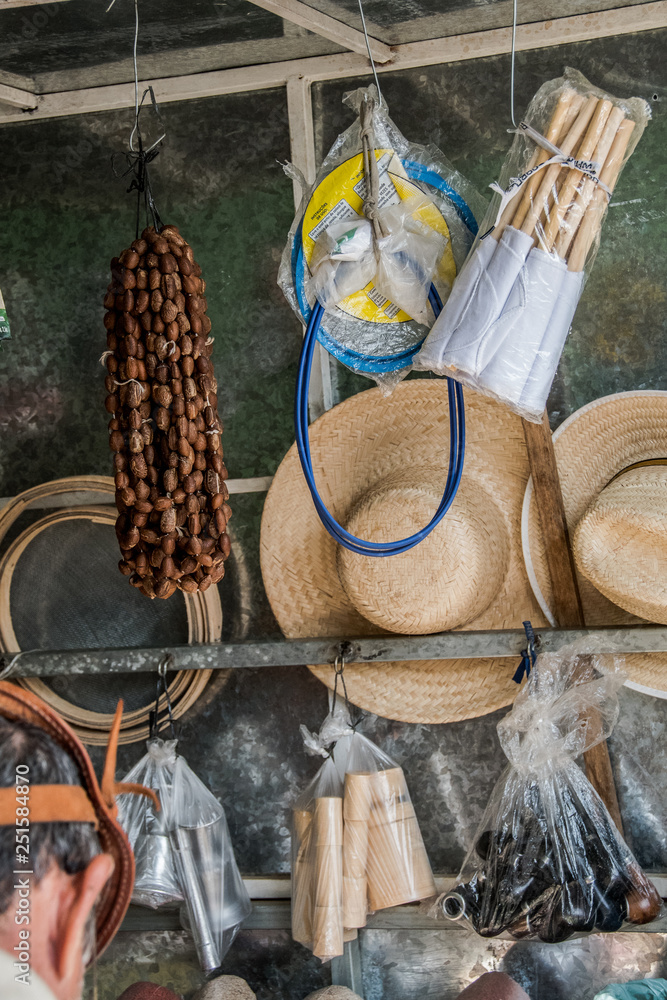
592, 446
360, 443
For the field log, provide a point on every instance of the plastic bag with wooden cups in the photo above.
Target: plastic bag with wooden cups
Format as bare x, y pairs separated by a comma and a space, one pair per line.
356, 846
547, 860
503, 328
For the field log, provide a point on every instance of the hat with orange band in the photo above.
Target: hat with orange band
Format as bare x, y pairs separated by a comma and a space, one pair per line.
89, 802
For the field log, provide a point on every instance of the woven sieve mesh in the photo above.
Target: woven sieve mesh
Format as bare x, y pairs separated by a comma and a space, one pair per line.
67, 593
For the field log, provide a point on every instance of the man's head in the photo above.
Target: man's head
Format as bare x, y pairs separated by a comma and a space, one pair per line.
48, 914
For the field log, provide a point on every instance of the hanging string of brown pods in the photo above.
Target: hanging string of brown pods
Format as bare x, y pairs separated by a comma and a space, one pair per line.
164, 429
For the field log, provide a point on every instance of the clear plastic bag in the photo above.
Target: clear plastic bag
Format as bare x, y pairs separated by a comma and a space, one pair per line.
216, 899
156, 882
185, 852
547, 859
504, 327
356, 846
375, 291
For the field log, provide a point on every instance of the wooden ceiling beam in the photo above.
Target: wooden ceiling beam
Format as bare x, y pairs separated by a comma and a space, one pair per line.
436, 51
16, 98
329, 27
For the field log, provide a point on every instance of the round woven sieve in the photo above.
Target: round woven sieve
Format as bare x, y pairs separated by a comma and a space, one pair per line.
60, 589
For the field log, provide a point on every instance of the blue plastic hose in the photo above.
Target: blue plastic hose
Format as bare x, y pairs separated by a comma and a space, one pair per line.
456, 449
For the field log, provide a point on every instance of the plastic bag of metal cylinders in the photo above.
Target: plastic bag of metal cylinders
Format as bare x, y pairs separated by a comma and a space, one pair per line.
504, 327
356, 846
547, 859
200, 862
156, 882
384, 219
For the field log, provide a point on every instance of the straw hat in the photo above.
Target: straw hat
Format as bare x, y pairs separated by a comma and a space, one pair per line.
380, 464
616, 509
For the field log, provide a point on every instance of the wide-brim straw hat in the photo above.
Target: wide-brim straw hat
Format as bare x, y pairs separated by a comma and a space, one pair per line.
380, 464
617, 518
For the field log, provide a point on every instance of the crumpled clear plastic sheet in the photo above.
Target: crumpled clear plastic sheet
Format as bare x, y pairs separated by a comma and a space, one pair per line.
202, 858
504, 327
356, 843
156, 882
640, 989
547, 859
376, 293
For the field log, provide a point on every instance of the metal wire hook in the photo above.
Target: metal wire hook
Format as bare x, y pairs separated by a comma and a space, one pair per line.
165, 664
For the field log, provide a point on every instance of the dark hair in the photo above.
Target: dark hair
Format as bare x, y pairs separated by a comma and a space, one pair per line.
71, 845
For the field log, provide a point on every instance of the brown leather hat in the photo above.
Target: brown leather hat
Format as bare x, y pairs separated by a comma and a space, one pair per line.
88, 803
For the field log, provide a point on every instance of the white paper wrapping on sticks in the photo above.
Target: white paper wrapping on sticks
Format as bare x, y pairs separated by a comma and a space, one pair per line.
524, 328
536, 389
509, 350
462, 338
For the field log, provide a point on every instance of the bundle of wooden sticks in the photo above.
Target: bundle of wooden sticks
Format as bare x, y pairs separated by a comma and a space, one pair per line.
562, 207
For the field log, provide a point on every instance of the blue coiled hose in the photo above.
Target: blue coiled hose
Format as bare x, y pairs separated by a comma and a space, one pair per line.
456, 449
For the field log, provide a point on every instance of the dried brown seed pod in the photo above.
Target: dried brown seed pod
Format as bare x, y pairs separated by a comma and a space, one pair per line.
130, 395
168, 262
187, 366
130, 258
156, 324
162, 373
157, 300
116, 441
168, 521
142, 278
138, 465
188, 584
160, 245
169, 311
141, 488
162, 395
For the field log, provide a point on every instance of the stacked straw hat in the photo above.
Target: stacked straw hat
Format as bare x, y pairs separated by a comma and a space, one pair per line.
380, 464
612, 462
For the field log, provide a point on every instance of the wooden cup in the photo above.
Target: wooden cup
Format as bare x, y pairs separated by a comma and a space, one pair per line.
302, 884
327, 832
356, 809
398, 869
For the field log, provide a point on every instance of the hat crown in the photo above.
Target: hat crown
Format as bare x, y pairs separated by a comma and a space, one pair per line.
620, 544
446, 581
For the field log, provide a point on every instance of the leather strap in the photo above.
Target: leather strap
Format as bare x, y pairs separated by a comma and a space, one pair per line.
109, 787
47, 804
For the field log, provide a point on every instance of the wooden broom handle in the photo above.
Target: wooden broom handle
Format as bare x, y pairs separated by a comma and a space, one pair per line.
568, 145
587, 189
594, 135
567, 601
591, 221
565, 112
